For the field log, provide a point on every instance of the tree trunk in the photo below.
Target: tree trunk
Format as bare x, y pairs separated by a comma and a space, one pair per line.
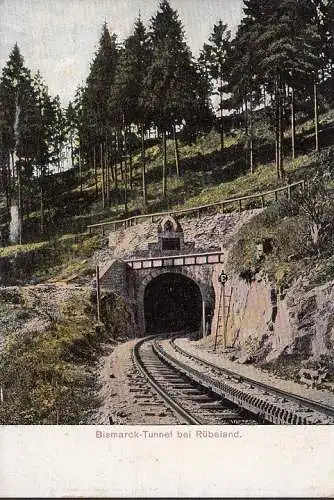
95, 173
42, 205
221, 114
164, 164
129, 154
130, 171
115, 173
19, 201
121, 169
125, 188
106, 166
246, 125
281, 136
176, 152
72, 151
80, 172
143, 167
316, 120
7, 180
293, 126
277, 132
251, 134
102, 175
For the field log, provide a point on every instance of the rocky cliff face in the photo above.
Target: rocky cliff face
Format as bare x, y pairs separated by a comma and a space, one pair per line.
293, 332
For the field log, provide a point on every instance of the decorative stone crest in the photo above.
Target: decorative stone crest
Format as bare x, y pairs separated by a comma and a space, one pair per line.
170, 234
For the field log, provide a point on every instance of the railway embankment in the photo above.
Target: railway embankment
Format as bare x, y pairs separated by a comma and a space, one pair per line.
255, 373
50, 346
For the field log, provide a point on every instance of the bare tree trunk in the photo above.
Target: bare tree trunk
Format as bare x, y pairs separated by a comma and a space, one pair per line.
164, 164
42, 202
95, 173
143, 167
246, 124
80, 171
121, 169
7, 180
176, 151
316, 119
129, 154
125, 188
251, 134
281, 136
293, 126
221, 114
102, 175
19, 201
106, 166
277, 132
264, 97
72, 152
115, 173
130, 171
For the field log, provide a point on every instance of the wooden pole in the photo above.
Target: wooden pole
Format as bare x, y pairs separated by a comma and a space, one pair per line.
224, 319
224, 300
203, 319
217, 324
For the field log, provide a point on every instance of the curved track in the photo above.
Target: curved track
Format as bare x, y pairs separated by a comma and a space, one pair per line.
199, 392
189, 400
300, 410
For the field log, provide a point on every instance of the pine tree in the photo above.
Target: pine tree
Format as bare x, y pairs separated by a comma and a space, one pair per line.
50, 140
31, 136
244, 79
127, 99
95, 116
216, 54
284, 44
21, 125
166, 84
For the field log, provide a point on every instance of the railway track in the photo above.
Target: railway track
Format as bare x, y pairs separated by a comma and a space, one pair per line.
279, 407
196, 391
188, 400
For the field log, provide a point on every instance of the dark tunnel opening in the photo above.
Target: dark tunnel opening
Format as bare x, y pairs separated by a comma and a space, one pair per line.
172, 302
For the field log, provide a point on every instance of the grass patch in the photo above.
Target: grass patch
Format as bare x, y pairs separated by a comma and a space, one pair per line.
67, 254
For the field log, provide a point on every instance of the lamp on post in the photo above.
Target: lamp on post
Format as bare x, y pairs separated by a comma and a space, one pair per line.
222, 280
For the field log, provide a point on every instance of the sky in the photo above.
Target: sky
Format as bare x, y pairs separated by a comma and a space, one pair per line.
60, 37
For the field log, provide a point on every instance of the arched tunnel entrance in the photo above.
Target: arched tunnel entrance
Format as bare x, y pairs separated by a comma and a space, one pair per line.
172, 302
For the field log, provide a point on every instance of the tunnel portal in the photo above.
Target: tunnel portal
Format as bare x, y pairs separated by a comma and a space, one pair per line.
172, 302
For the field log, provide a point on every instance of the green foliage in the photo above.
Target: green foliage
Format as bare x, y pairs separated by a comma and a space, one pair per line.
289, 225
62, 255
44, 377
48, 378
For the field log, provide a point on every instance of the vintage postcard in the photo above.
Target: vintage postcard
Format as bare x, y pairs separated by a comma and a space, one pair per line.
166, 248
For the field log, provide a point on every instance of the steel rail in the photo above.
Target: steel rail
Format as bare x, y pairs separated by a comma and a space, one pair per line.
321, 407
171, 403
